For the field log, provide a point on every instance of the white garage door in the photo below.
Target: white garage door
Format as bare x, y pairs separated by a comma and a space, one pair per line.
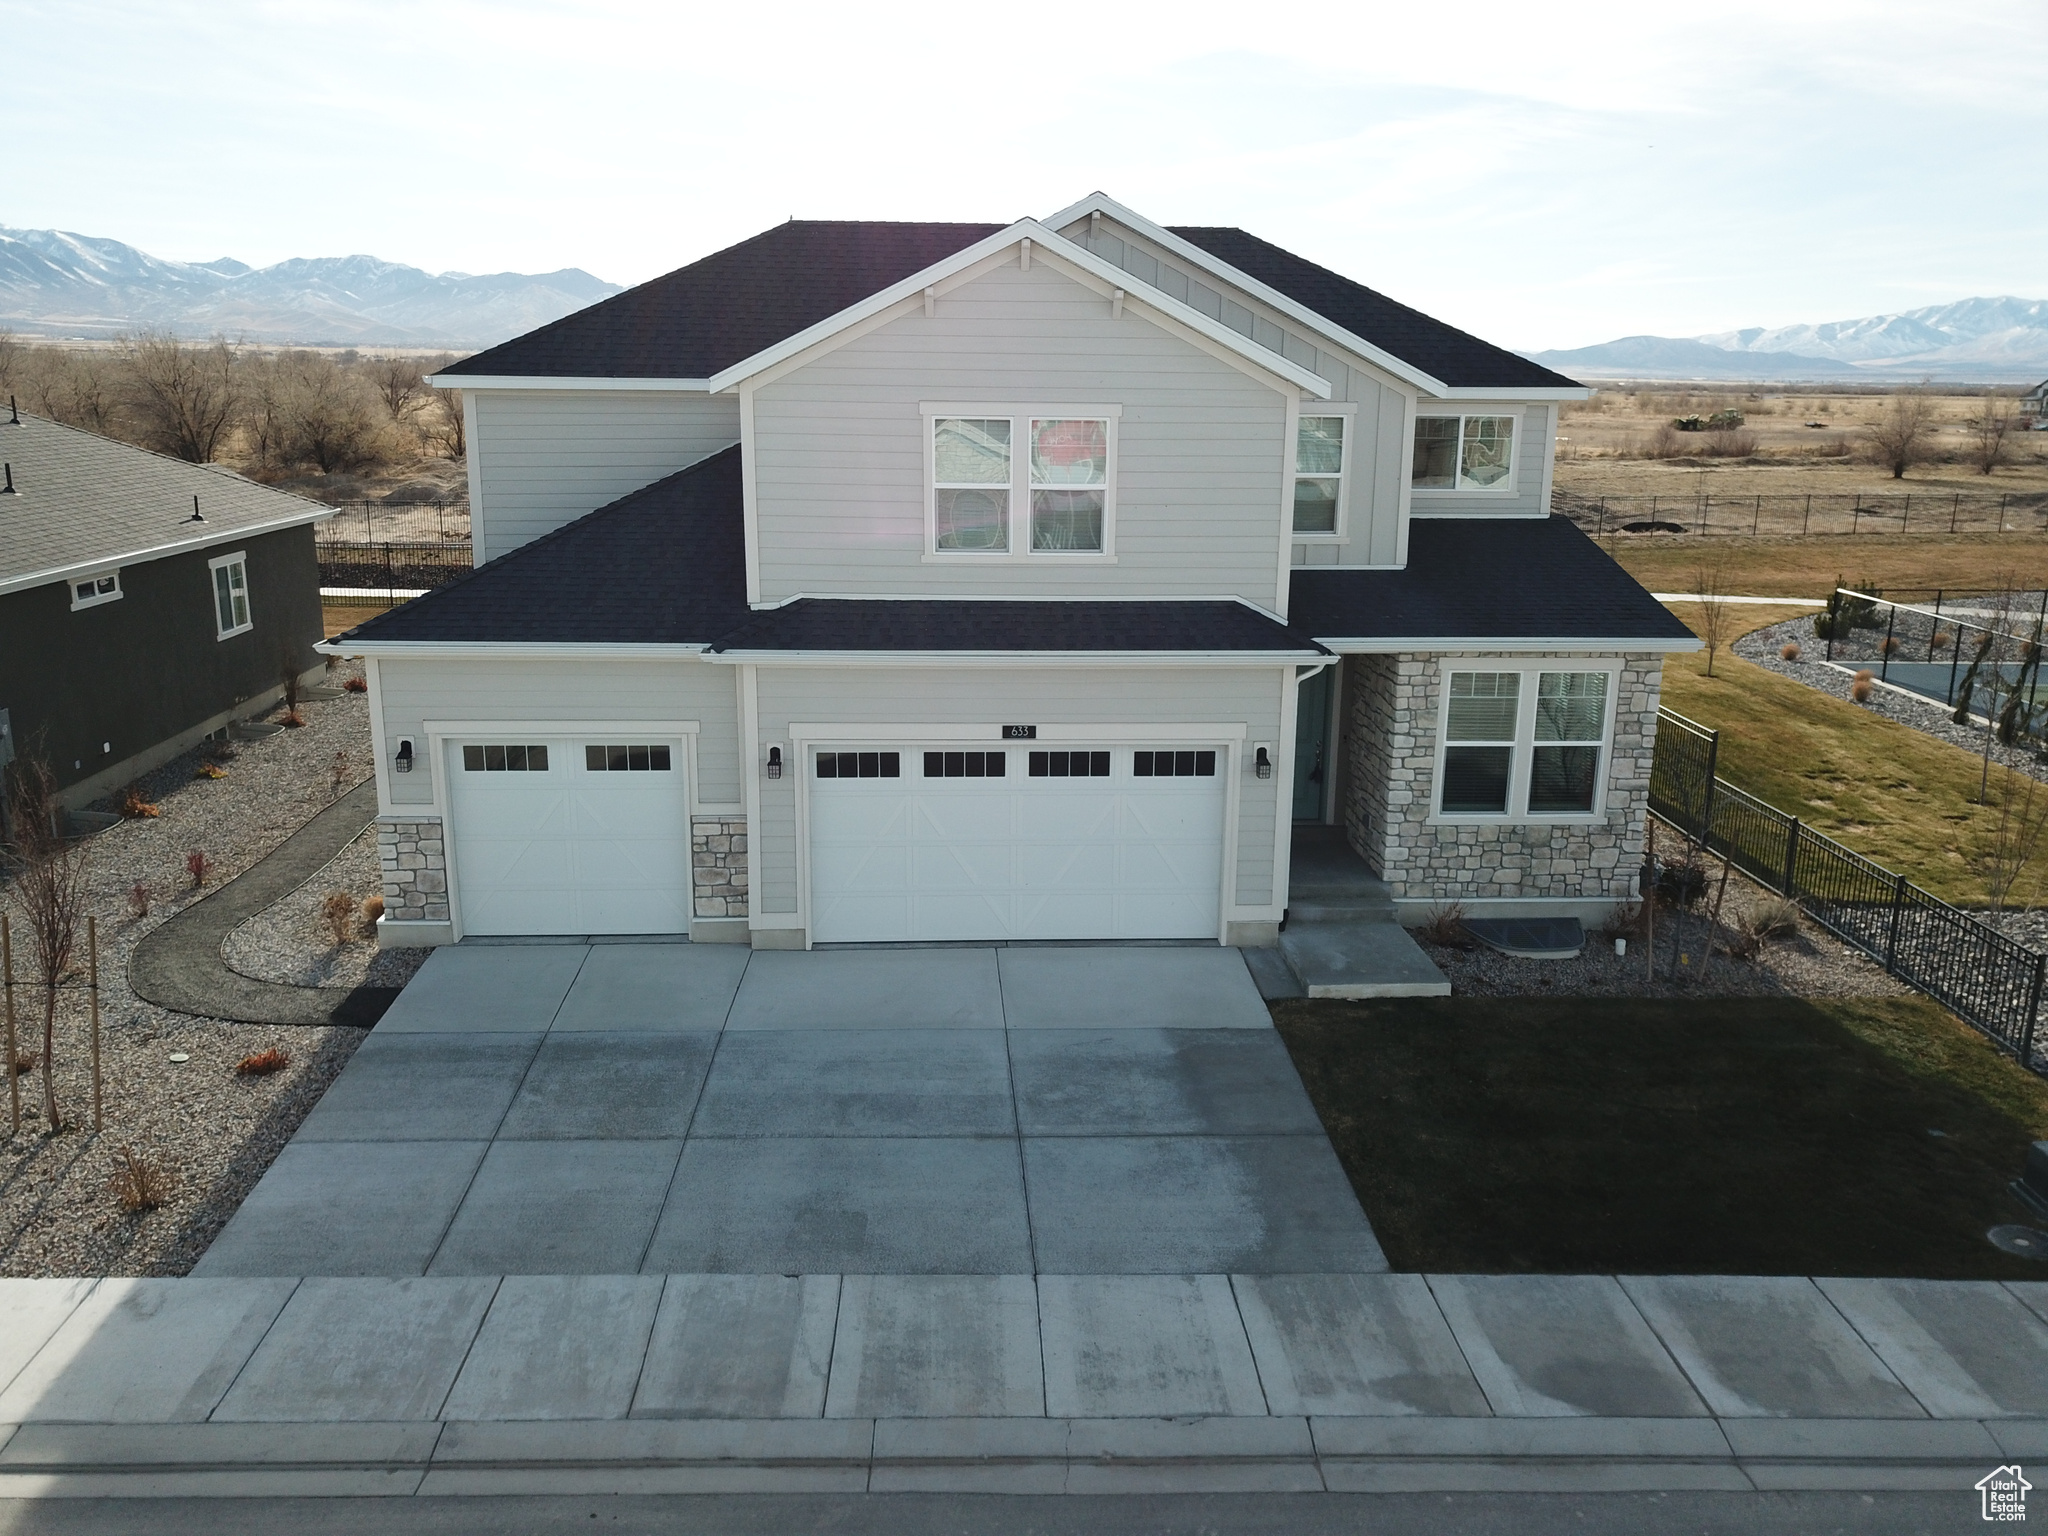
1094, 843
569, 835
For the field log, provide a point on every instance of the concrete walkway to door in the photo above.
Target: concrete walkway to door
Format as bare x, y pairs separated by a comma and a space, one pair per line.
609, 1108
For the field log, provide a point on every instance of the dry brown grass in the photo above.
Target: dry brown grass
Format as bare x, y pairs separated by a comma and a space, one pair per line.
140, 1183
263, 1063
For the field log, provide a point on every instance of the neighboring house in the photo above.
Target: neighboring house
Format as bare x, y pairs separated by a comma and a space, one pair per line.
906, 582
144, 602
2034, 408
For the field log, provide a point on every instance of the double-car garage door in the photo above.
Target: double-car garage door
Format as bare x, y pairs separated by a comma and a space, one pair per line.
1017, 843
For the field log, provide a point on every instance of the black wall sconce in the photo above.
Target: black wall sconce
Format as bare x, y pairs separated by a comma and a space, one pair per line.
1262, 761
403, 762
775, 762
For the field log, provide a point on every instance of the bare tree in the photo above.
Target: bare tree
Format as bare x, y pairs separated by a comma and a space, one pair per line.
334, 425
184, 398
401, 384
1898, 438
2013, 841
1988, 433
448, 432
12, 355
80, 389
50, 885
1709, 578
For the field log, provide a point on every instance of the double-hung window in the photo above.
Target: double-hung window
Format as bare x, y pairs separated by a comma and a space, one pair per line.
1523, 743
1318, 473
231, 594
1023, 484
1465, 454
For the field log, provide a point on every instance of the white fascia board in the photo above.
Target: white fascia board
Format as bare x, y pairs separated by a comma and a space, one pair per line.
211, 535
546, 381
490, 650
1110, 208
1095, 659
1494, 645
1050, 243
1031, 597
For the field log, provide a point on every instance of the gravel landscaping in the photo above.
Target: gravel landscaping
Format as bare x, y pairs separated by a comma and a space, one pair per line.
291, 942
211, 1131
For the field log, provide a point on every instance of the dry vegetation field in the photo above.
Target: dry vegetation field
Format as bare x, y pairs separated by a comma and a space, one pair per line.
1792, 441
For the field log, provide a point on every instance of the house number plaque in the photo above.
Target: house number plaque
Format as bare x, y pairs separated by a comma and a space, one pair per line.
1020, 733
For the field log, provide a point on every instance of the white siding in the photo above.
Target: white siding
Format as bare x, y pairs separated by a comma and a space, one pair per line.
544, 458
839, 455
981, 696
566, 690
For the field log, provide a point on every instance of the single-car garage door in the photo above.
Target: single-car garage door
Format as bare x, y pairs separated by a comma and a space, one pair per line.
568, 835
1088, 843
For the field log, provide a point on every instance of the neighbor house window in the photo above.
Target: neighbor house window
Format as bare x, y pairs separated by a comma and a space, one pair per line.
1464, 453
231, 594
90, 591
1318, 473
1055, 470
1525, 742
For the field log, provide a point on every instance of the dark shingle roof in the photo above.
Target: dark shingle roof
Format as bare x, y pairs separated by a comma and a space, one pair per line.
739, 301
1442, 351
835, 624
663, 566
1503, 578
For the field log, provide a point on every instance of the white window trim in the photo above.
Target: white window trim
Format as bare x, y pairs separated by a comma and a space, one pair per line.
1504, 492
73, 583
1518, 811
1349, 411
239, 557
1020, 418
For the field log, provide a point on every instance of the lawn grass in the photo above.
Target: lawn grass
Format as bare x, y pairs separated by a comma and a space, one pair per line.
336, 617
1810, 567
1616, 1135
1891, 793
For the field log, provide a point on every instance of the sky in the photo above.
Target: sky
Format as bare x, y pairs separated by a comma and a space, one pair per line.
1546, 176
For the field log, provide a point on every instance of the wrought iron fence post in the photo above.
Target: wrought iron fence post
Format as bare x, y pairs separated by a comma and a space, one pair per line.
1891, 943
1791, 884
1713, 771
2033, 1008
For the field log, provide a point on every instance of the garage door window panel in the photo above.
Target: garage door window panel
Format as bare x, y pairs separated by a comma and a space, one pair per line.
498, 758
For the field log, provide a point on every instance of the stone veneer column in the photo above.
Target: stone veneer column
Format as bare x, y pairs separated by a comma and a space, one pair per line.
414, 861
1390, 726
718, 865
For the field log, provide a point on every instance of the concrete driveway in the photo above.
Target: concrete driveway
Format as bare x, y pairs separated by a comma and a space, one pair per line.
613, 1108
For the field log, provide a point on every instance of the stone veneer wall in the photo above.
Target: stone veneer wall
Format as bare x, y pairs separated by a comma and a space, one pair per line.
1390, 725
414, 861
718, 865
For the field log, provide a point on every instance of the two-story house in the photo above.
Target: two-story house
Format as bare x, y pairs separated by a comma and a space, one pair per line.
918, 582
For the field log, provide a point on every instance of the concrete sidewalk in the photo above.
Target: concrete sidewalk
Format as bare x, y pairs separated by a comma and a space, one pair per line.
826, 1383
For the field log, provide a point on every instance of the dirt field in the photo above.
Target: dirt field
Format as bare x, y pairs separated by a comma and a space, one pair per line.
1807, 455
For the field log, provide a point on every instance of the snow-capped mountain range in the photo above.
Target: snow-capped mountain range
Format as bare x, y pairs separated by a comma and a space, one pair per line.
1991, 341
64, 285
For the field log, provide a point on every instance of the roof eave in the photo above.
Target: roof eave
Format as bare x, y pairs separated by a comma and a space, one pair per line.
1503, 644
209, 536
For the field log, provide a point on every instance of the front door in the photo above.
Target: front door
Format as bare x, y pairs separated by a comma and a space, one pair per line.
1311, 745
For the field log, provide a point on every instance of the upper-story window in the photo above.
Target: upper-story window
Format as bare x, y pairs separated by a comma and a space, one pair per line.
91, 591
1465, 454
231, 594
1319, 447
1055, 471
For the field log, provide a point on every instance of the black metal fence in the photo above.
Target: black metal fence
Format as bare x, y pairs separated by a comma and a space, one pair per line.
1987, 979
1829, 513
380, 572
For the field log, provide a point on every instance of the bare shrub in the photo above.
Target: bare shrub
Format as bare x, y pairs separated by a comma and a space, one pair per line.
1861, 690
338, 912
1789, 651
447, 432
263, 1063
372, 909
198, 866
184, 399
356, 685
338, 773
135, 805
2013, 840
1730, 443
1664, 443
1988, 432
1898, 438
1710, 580
50, 887
1445, 927
1776, 918
139, 1183
139, 895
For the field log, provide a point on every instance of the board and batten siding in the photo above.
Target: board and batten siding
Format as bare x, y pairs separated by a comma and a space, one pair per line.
546, 457
839, 455
1067, 696
1378, 473
413, 691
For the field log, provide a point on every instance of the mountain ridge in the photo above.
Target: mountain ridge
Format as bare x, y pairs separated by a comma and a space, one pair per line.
59, 284
1987, 340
